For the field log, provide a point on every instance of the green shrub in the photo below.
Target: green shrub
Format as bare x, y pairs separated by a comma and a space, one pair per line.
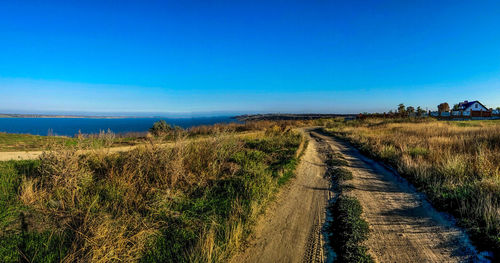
160, 128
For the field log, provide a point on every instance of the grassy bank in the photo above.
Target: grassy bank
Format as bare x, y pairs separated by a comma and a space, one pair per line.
194, 201
10, 142
456, 164
27, 142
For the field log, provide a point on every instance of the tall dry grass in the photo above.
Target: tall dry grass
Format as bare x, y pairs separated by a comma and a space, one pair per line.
457, 164
191, 201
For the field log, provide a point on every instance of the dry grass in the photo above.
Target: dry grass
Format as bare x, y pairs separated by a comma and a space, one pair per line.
457, 164
192, 201
248, 126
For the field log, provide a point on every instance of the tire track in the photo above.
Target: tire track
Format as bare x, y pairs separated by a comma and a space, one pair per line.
291, 228
404, 226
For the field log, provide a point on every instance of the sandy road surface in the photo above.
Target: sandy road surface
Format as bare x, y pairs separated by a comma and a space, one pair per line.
290, 231
29, 155
404, 226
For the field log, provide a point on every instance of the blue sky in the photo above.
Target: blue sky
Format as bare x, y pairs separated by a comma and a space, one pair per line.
246, 56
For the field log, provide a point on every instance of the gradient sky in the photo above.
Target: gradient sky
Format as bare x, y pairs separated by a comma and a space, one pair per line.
246, 56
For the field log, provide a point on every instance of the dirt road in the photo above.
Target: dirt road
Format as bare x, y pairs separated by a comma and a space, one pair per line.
404, 226
290, 231
30, 155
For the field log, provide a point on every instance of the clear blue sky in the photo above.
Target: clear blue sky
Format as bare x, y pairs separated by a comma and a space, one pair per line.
246, 56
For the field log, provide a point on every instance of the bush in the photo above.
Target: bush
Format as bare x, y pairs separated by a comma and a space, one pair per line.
160, 128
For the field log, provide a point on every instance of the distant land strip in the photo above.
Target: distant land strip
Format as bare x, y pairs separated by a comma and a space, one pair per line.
284, 116
3, 115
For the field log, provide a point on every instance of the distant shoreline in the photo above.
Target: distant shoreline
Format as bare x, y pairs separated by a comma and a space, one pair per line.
69, 125
285, 116
2, 115
246, 117
61, 116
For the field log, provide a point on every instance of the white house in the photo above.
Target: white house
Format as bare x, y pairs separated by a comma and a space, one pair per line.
467, 106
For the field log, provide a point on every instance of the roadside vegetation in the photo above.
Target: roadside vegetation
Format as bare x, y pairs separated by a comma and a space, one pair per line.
347, 230
456, 164
193, 201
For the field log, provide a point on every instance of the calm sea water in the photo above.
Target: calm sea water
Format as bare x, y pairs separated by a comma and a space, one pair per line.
71, 126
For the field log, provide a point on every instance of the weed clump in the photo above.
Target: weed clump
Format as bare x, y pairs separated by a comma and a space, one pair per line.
348, 230
337, 162
340, 174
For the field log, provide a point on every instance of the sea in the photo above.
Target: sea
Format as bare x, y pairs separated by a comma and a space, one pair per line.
72, 126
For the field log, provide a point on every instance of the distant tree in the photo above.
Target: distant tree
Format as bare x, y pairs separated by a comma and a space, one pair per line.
498, 108
456, 107
443, 107
420, 111
401, 109
160, 128
410, 110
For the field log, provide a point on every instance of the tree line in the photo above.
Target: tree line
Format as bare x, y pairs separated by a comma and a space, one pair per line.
408, 111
